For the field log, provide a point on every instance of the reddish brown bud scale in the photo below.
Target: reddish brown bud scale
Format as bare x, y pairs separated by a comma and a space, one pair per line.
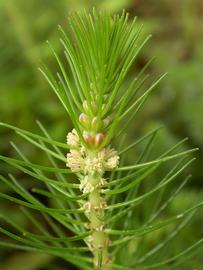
88, 138
99, 138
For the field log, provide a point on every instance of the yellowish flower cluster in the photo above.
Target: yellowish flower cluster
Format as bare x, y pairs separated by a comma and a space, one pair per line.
80, 159
86, 185
73, 139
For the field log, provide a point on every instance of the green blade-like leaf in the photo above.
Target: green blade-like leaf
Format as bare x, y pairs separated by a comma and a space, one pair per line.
157, 160
37, 166
36, 136
158, 187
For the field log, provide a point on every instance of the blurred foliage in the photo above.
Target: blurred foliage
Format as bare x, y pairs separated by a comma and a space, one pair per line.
177, 28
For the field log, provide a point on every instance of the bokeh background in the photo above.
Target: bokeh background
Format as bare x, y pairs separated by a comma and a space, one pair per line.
177, 103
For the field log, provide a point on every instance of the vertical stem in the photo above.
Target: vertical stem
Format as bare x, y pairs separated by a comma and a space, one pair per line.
99, 239
92, 164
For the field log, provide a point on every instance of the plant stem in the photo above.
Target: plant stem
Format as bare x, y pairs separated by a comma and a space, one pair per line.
92, 163
99, 239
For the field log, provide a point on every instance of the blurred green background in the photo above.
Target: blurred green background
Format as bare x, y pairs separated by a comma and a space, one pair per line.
177, 104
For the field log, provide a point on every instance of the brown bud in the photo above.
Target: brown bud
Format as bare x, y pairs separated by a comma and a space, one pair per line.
99, 138
88, 138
